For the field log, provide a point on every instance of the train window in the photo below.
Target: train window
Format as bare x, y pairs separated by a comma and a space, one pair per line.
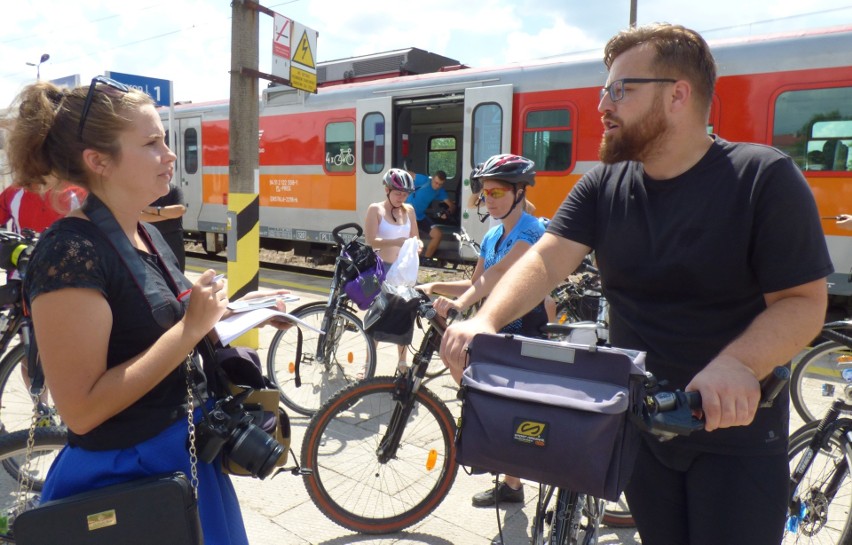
814, 127
443, 155
373, 143
340, 147
487, 131
547, 139
190, 151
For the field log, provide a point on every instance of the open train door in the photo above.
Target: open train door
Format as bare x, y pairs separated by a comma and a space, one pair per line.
487, 132
373, 150
188, 168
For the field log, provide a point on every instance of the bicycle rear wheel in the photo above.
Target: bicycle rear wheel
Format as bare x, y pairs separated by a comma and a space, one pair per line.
346, 355
822, 516
351, 486
817, 380
16, 405
48, 441
617, 514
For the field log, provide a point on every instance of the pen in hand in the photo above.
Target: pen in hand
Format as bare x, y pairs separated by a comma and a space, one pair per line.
184, 295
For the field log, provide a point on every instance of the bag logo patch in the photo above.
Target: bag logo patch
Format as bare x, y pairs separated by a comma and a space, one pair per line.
530, 432
100, 520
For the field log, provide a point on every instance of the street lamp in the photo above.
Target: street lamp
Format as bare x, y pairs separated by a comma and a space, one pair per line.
43, 59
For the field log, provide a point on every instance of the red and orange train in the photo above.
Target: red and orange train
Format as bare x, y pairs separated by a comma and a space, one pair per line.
322, 156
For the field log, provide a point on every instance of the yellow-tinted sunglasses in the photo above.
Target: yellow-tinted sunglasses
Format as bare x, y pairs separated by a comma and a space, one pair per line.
494, 193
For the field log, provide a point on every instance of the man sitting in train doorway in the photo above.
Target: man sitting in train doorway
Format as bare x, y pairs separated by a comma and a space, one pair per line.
426, 191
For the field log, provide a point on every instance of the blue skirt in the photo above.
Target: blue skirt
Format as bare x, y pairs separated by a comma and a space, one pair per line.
77, 470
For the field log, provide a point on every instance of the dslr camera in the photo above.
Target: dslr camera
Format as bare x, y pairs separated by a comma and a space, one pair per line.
230, 429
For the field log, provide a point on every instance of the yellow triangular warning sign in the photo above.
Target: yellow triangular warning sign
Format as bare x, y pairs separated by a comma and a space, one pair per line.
303, 53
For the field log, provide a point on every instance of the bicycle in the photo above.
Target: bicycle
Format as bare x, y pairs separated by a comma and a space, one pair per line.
823, 372
380, 454
820, 505
331, 360
574, 518
15, 400
46, 444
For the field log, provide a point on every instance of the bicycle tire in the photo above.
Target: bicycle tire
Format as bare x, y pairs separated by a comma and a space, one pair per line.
816, 380
617, 514
348, 483
16, 405
564, 530
831, 523
353, 353
48, 441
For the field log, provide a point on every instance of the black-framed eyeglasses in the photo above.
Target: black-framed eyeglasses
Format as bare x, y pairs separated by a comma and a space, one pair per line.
91, 94
616, 88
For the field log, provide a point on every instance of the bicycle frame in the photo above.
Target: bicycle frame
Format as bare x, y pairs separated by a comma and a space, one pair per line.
809, 513
408, 384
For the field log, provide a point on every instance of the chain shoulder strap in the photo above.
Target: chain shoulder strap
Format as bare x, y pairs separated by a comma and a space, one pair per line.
190, 401
26, 483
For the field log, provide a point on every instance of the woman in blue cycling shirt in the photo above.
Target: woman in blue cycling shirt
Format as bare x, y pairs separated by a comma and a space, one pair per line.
504, 179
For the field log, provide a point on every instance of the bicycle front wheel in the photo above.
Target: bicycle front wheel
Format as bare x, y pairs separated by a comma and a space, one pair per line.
348, 482
817, 380
822, 512
343, 355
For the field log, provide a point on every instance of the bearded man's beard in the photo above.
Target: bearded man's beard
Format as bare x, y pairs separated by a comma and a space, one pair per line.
633, 142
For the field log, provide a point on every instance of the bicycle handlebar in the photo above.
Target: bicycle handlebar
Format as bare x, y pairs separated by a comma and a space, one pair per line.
668, 414
335, 233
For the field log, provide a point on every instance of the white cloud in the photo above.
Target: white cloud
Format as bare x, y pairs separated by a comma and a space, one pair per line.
188, 41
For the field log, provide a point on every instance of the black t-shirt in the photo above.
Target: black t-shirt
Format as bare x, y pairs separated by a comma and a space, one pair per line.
174, 196
685, 262
74, 253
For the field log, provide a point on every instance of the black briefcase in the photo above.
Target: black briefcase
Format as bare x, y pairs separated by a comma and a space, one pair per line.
160, 509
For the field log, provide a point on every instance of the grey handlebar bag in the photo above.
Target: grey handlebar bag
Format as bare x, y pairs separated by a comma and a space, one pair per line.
551, 412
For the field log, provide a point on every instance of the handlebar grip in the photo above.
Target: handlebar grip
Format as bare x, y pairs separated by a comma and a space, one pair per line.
335, 233
772, 385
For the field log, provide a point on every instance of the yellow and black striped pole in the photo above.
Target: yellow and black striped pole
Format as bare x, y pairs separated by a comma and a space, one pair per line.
243, 252
243, 173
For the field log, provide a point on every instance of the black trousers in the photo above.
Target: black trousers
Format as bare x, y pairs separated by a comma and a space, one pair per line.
683, 497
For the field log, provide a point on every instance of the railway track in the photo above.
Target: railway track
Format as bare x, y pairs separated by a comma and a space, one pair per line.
311, 270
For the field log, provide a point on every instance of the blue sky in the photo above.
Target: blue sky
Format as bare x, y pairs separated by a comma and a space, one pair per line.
188, 41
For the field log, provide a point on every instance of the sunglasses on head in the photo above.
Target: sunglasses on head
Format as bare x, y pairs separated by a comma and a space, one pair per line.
494, 193
91, 95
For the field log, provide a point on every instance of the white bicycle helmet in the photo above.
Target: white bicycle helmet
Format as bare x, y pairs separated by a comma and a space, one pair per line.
398, 179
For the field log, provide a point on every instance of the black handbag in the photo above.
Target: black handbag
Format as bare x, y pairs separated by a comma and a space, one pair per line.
156, 509
160, 509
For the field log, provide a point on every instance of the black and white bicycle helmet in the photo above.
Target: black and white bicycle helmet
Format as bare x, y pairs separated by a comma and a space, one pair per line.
398, 179
509, 168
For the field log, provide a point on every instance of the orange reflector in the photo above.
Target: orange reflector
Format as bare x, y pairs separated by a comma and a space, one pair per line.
350, 357
844, 358
291, 367
431, 459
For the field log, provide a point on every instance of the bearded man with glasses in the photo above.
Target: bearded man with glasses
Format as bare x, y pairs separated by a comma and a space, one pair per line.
713, 261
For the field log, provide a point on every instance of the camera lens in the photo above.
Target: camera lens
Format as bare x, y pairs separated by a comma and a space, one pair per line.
255, 450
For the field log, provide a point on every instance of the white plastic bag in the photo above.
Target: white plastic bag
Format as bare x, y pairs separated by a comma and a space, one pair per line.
403, 272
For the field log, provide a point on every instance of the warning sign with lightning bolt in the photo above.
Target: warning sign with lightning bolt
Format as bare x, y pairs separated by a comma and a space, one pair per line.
303, 67
303, 52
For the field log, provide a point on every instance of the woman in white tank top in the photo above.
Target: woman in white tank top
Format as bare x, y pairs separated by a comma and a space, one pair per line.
390, 223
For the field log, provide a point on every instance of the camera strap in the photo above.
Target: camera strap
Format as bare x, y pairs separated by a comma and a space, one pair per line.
101, 216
